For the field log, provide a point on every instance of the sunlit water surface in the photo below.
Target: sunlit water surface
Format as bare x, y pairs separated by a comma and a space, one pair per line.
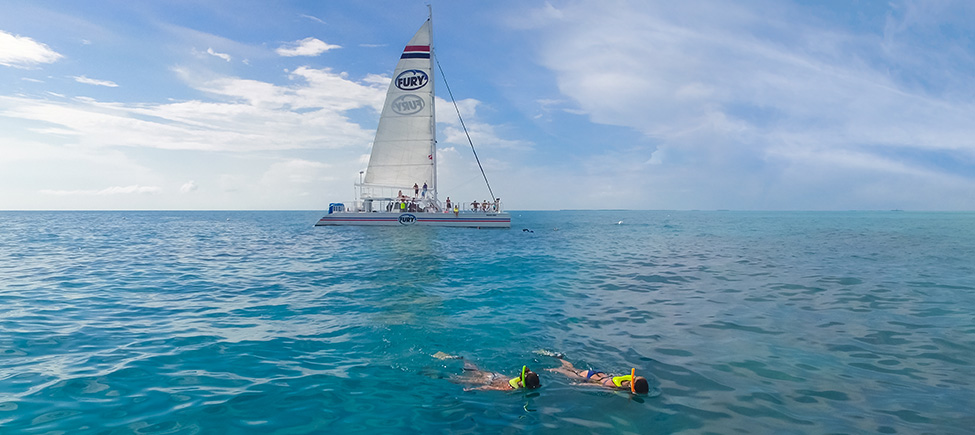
258, 322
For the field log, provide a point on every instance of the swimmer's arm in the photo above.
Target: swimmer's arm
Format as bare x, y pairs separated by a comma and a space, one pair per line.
568, 369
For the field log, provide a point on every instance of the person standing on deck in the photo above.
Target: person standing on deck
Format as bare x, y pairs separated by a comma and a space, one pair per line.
416, 190
424, 190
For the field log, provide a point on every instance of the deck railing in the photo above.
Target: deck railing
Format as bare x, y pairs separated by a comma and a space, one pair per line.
393, 206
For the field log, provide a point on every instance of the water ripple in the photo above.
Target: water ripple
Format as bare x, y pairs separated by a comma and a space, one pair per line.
216, 322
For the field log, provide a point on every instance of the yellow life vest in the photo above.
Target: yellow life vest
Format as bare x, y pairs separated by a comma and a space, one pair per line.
618, 380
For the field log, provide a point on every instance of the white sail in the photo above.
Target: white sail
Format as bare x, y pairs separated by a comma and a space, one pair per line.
404, 154
404, 151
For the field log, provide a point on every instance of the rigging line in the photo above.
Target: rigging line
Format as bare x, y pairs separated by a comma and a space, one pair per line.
452, 100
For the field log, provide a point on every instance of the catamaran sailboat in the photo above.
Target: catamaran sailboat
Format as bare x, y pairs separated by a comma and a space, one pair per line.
404, 157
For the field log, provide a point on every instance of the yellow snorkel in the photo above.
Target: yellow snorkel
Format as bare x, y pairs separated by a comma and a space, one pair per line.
520, 379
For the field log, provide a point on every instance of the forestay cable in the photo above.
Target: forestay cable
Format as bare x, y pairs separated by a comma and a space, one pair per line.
452, 100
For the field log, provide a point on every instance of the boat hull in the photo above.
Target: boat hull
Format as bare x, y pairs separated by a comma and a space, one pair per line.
391, 219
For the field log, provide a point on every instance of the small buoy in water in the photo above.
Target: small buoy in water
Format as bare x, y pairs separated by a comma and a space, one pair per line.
619, 223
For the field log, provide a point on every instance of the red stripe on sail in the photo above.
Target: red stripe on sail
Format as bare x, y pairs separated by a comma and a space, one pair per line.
410, 48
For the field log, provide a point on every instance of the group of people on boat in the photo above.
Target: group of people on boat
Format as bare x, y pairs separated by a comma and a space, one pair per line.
528, 379
486, 206
476, 206
413, 204
404, 206
416, 190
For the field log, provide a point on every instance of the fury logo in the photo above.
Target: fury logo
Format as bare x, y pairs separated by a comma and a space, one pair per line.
411, 80
407, 219
407, 104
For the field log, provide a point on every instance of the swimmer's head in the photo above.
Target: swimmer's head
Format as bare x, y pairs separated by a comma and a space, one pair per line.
531, 379
640, 385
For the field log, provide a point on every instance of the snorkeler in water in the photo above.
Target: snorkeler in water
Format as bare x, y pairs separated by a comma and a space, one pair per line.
486, 380
636, 384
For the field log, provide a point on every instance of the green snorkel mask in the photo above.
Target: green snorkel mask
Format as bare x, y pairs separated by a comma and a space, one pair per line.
520, 379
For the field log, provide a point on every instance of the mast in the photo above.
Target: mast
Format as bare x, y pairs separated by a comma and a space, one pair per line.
433, 111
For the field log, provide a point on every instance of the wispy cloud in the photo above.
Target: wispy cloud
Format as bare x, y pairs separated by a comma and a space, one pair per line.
188, 187
305, 47
481, 133
315, 19
244, 115
223, 56
23, 52
114, 190
89, 81
726, 89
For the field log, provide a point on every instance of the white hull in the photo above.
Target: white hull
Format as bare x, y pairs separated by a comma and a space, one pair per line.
463, 219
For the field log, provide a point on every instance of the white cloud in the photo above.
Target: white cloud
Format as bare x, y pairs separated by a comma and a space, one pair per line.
223, 56
313, 18
114, 190
21, 51
305, 47
188, 187
251, 115
88, 81
481, 133
721, 88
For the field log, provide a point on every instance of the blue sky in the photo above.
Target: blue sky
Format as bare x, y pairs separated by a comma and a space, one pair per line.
749, 105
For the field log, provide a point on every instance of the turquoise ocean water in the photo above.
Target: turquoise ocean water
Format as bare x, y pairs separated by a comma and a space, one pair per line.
258, 322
